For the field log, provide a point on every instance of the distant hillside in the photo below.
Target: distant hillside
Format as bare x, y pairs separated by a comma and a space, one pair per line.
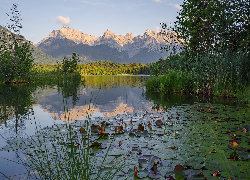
111, 47
39, 56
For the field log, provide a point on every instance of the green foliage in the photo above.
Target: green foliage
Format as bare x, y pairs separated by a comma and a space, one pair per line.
98, 68
213, 26
173, 81
15, 54
215, 39
224, 74
16, 66
69, 65
111, 68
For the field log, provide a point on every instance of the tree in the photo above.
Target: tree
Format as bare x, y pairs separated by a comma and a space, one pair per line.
69, 65
16, 57
234, 27
213, 25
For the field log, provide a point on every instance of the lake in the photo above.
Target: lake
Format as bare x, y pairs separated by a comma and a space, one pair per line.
188, 136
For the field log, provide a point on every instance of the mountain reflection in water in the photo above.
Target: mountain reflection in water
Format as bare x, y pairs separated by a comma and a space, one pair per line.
24, 109
109, 95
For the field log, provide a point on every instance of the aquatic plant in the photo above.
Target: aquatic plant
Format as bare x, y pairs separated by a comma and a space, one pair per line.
173, 81
183, 142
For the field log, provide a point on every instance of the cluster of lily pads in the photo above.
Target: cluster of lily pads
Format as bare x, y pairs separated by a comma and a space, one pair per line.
184, 142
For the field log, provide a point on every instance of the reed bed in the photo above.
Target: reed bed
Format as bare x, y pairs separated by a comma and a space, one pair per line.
222, 74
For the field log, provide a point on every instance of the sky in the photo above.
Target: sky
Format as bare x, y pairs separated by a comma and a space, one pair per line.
93, 17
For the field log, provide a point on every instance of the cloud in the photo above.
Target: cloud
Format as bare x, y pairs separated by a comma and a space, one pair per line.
177, 6
157, 0
63, 20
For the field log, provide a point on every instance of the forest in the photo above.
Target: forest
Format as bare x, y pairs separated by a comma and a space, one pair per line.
100, 68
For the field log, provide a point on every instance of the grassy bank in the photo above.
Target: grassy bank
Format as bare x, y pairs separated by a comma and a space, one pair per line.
224, 74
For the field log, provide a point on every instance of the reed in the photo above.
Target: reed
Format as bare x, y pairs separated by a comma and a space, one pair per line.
224, 74
172, 81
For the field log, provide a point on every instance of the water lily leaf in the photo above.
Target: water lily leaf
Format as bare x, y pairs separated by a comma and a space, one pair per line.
142, 173
193, 174
96, 145
95, 128
178, 168
140, 127
159, 122
244, 156
180, 176
171, 147
143, 163
82, 130
154, 175
234, 157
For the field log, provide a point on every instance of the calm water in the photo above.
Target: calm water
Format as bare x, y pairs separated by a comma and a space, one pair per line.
27, 108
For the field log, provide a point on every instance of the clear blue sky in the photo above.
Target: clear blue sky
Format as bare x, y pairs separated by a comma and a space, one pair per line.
94, 17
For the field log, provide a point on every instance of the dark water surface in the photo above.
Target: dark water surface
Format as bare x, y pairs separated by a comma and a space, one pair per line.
27, 108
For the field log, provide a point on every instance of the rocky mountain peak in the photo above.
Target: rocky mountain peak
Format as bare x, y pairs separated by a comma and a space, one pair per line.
114, 40
108, 34
150, 33
128, 43
72, 34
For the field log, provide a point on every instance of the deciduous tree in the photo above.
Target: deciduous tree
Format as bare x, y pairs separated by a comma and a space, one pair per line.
208, 26
16, 57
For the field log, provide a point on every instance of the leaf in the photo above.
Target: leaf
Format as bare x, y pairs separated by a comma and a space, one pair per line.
140, 127
135, 171
82, 130
235, 143
178, 168
171, 147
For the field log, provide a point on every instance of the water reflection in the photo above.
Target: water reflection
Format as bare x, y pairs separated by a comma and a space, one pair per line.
163, 102
109, 95
15, 103
74, 97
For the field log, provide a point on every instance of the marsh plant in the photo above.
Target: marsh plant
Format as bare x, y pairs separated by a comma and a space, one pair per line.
63, 151
198, 141
211, 74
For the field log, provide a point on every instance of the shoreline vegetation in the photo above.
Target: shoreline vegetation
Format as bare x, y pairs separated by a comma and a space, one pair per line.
224, 75
202, 66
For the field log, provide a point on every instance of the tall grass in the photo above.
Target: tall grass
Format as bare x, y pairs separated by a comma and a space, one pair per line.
173, 81
63, 152
224, 73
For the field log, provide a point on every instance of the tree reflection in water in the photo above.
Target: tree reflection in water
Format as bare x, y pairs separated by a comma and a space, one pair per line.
16, 100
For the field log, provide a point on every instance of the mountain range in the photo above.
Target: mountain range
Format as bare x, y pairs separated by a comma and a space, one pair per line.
126, 48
